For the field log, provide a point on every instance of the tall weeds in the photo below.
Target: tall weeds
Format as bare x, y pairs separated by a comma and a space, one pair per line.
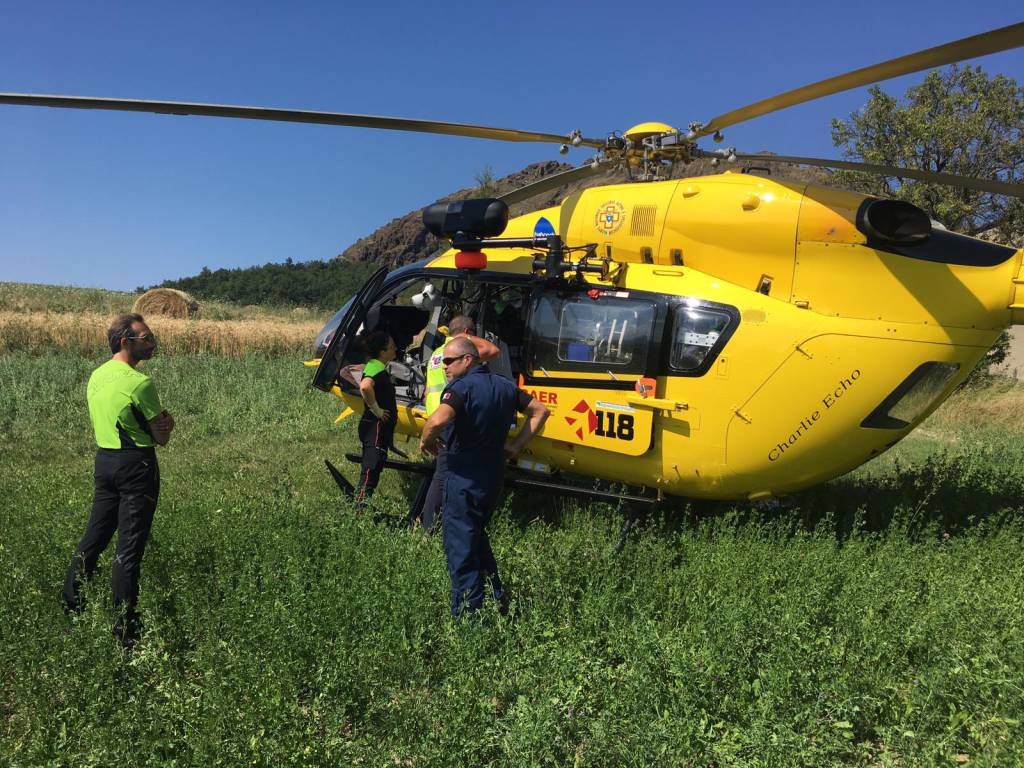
876, 621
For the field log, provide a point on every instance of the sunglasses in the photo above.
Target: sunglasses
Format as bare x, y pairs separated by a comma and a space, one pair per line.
450, 360
150, 337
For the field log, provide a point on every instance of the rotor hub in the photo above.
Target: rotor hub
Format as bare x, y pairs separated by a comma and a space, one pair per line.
641, 131
651, 147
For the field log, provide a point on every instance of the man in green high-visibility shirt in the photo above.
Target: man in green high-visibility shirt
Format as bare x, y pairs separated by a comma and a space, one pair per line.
460, 325
129, 423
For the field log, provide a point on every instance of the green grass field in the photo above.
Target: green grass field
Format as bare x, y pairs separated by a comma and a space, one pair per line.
877, 620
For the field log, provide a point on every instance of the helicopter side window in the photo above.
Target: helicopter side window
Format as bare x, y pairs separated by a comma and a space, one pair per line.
908, 402
582, 334
695, 332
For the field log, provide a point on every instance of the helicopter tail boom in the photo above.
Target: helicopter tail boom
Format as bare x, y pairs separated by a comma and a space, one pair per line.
1017, 303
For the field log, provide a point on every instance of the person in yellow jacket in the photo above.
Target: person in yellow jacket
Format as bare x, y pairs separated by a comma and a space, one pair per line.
460, 325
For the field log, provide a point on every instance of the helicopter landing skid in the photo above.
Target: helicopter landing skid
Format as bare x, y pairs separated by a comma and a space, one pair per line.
636, 507
343, 484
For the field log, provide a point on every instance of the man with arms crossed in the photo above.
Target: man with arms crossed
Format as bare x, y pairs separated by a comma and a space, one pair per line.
129, 423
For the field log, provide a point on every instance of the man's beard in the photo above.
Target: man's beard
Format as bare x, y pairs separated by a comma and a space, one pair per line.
144, 354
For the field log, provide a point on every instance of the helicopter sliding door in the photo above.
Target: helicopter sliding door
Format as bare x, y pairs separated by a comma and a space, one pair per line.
586, 352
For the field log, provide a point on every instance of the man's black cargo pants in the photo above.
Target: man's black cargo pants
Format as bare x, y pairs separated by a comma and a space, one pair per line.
127, 485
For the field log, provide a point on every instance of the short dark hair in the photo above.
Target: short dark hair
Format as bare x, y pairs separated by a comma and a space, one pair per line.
461, 324
120, 329
377, 342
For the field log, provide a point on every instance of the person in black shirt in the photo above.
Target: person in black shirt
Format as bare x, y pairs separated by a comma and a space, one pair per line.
377, 425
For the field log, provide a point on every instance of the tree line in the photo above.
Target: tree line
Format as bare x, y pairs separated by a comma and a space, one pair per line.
322, 284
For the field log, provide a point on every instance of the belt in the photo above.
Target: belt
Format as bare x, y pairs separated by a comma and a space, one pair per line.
138, 451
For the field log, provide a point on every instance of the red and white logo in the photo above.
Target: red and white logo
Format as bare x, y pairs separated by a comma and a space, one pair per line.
583, 408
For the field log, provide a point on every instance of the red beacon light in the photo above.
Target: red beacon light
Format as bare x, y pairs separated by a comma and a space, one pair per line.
471, 260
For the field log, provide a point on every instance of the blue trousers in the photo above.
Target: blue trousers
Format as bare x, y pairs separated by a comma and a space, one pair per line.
432, 505
469, 501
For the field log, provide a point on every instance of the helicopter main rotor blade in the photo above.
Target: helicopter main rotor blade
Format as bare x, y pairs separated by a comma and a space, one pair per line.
983, 185
969, 47
291, 116
553, 182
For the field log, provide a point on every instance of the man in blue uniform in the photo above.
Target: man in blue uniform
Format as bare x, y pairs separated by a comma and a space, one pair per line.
481, 409
437, 381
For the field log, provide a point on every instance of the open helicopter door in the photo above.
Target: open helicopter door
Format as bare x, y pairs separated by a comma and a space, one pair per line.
333, 357
586, 352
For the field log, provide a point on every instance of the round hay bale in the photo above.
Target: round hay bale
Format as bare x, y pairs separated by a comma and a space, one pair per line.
169, 302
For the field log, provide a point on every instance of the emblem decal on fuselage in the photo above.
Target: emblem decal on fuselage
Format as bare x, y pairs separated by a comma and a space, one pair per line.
601, 422
609, 217
542, 229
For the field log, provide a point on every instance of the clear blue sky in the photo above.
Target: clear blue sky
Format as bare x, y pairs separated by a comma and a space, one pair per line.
117, 200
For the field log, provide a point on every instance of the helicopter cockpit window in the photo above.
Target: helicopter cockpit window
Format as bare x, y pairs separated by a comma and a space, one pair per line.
582, 334
696, 330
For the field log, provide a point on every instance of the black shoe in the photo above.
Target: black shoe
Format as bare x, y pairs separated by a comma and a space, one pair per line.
504, 603
128, 630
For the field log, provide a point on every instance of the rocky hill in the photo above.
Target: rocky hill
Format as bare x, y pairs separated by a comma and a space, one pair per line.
405, 240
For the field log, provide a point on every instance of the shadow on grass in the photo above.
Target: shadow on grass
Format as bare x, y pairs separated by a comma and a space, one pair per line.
944, 494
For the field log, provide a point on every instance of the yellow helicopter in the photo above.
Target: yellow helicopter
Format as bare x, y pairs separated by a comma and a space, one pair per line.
728, 336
